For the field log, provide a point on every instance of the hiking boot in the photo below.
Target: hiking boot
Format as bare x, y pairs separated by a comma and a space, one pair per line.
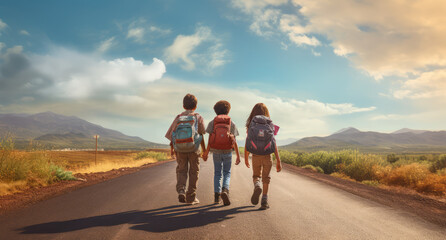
181, 196
225, 196
264, 204
217, 198
195, 201
256, 195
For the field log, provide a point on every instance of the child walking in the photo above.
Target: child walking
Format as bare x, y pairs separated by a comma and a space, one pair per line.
222, 132
261, 143
186, 135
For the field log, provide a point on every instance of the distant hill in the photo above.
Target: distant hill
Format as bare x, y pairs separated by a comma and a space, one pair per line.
403, 140
51, 130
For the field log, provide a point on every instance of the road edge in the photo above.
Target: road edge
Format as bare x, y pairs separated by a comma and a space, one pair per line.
429, 209
29, 197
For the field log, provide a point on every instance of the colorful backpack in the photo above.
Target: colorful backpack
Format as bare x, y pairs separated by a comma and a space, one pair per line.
221, 137
260, 139
185, 136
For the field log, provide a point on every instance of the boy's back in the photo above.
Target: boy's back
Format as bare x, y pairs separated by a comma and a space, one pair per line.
187, 162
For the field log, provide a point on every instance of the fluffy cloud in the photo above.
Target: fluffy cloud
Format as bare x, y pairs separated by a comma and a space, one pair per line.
427, 85
383, 38
153, 108
67, 74
184, 51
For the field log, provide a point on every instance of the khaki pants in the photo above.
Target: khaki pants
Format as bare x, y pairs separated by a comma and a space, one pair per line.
261, 167
188, 162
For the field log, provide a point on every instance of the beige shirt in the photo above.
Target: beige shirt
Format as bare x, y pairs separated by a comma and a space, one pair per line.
201, 128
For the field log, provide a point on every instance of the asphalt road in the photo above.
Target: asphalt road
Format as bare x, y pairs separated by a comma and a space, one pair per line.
143, 205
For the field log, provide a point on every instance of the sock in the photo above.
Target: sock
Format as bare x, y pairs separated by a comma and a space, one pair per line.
265, 196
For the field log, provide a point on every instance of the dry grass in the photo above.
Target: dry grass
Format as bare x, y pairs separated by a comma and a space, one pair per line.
424, 176
20, 170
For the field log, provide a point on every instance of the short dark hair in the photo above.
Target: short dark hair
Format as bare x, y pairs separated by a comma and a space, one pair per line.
189, 101
222, 107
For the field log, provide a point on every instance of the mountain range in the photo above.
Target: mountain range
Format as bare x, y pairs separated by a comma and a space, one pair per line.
403, 140
54, 131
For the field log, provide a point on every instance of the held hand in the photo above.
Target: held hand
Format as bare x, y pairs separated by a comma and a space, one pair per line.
237, 161
247, 162
279, 166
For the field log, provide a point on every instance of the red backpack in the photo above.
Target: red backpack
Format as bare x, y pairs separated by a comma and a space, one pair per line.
221, 137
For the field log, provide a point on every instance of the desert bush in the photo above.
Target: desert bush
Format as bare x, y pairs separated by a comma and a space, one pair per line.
364, 167
432, 184
160, 156
313, 168
408, 175
341, 175
391, 158
439, 163
372, 183
31, 168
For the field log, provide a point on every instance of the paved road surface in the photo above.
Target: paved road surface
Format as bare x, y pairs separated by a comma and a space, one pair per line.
144, 205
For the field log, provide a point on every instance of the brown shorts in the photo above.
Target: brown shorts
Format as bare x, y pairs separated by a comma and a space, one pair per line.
261, 167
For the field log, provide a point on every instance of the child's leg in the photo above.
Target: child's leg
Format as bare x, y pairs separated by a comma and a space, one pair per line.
267, 164
217, 171
194, 168
182, 168
227, 161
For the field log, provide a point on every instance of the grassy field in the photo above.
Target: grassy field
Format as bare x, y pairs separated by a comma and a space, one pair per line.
20, 170
424, 173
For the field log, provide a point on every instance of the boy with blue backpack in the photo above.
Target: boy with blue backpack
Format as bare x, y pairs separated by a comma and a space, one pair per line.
186, 136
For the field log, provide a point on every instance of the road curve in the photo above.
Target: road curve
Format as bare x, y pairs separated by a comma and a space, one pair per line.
143, 205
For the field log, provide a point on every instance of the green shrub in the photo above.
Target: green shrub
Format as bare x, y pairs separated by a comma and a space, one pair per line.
439, 163
371, 183
313, 168
155, 155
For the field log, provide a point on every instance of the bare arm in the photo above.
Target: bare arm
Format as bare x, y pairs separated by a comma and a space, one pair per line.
237, 161
278, 162
246, 158
206, 152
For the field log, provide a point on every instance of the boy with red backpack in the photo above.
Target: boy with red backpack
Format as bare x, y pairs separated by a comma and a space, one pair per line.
186, 136
222, 142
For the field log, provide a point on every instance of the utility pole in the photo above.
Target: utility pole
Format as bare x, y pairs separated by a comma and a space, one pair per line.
96, 153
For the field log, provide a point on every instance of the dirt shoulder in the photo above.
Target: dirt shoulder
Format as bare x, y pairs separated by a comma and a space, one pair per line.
33, 195
431, 209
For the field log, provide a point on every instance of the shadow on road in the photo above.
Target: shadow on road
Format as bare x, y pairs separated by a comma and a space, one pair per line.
156, 220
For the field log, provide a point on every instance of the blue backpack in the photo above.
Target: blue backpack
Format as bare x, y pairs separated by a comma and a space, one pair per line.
185, 137
260, 139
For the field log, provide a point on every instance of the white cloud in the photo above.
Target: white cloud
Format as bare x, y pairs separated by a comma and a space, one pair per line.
137, 34
2, 45
24, 32
402, 38
139, 30
68, 74
428, 85
106, 45
183, 51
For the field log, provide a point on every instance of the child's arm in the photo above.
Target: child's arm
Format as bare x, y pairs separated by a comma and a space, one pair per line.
278, 162
206, 152
172, 151
237, 161
203, 146
246, 158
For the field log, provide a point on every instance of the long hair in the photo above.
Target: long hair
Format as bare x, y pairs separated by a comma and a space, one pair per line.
258, 109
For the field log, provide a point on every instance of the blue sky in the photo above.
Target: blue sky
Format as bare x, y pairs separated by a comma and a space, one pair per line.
318, 65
